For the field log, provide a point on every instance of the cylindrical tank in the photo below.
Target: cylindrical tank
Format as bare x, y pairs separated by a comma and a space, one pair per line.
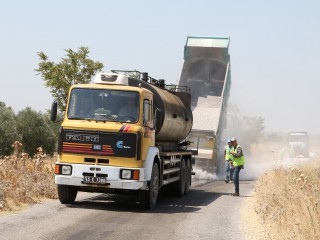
174, 121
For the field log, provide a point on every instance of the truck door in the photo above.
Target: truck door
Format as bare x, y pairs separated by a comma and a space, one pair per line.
148, 124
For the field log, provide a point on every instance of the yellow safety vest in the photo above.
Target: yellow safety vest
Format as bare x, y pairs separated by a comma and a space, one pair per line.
238, 161
228, 155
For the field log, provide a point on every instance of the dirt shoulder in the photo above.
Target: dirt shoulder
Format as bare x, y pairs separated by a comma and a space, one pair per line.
252, 225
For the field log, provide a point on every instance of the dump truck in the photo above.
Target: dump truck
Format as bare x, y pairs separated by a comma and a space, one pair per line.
125, 134
298, 144
207, 72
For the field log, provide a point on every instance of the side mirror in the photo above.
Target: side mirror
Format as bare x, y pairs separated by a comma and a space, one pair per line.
156, 111
54, 110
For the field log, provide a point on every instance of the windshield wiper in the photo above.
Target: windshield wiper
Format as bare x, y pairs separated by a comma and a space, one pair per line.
105, 116
99, 117
80, 118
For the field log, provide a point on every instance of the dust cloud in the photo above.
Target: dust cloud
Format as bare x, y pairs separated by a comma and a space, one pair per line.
204, 175
263, 151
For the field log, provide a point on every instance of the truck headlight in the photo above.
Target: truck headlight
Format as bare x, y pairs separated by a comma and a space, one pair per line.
66, 170
130, 174
126, 174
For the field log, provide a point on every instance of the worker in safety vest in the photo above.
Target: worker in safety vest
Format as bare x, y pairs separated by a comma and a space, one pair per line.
238, 163
228, 162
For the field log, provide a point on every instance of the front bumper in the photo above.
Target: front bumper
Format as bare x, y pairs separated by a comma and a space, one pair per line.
113, 177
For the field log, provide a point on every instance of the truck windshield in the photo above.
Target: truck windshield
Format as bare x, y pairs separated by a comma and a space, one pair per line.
103, 105
297, 138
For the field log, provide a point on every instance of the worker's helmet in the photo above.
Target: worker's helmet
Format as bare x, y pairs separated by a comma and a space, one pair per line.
233, 139
229, 140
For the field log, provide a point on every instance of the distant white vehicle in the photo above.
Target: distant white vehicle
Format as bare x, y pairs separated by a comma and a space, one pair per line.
299, 144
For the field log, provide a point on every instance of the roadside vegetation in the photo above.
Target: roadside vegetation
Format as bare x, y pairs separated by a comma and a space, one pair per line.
287, 201
25, 181
28, 139
32, 129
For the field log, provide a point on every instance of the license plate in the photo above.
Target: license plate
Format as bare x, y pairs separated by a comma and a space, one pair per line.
95, 180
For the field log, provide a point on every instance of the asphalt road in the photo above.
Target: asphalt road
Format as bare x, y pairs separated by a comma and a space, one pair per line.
207, 212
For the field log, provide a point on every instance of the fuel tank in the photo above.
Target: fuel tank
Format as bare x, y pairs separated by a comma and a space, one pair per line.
174, 120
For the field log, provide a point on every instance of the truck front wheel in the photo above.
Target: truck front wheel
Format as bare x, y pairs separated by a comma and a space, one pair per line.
67, 194
149, 198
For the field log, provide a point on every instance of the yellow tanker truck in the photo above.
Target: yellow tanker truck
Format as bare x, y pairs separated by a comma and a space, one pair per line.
123, 134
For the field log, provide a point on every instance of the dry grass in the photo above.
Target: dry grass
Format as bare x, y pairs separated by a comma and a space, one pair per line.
288, 201
25, 182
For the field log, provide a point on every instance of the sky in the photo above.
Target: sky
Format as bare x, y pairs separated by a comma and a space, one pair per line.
274, 48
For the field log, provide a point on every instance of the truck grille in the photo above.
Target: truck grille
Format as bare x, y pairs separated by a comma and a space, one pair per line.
96, 143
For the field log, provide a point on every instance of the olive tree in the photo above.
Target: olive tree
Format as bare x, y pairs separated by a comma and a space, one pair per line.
35, 132
8, 130
76, 67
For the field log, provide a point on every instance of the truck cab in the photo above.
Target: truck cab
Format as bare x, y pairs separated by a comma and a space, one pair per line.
299, 144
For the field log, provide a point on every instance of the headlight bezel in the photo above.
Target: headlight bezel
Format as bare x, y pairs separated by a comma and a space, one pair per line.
126, 174
130, 174
63, 169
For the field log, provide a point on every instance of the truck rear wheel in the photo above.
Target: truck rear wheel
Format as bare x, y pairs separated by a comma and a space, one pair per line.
149, 198
188, 176
178, 188
67, 194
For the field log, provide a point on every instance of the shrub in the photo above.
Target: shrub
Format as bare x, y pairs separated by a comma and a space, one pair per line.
25, 182
288, 202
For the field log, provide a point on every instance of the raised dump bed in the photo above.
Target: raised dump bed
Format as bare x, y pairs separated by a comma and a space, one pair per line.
206, 71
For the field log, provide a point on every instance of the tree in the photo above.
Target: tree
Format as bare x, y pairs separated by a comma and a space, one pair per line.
55, 126
35, 131
75, 68
8, 130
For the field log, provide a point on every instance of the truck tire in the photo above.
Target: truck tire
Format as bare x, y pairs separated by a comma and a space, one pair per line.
149, 198
67, 194
179, 187
188, 177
